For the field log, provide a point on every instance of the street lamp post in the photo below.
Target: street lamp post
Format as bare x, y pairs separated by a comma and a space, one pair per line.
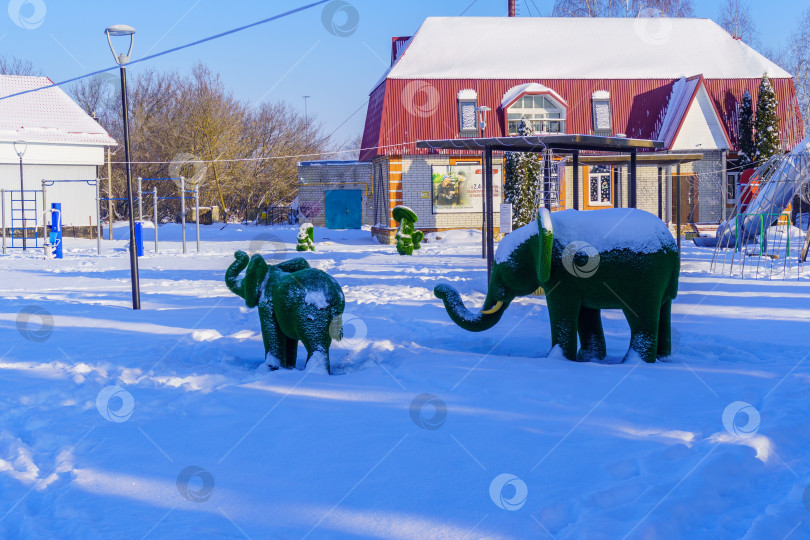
122, 59
20, 147
482, 128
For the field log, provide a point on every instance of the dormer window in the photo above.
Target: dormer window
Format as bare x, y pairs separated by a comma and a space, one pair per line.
467, 102
542, 109
602, 124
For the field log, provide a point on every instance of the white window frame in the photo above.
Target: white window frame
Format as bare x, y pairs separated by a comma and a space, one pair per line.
601, 97
597, 176
536, 119
467, 98
732, 179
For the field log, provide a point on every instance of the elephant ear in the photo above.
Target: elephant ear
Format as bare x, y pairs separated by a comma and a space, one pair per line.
254, 278
546, 239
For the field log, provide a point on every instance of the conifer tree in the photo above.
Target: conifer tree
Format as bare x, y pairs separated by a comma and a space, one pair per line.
520, 183
746, 130
766, 124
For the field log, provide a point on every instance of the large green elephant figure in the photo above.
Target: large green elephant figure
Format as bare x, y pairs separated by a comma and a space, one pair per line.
295, 302
585, 262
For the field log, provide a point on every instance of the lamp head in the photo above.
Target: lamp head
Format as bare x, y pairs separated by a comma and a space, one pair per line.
20, 147
117, 30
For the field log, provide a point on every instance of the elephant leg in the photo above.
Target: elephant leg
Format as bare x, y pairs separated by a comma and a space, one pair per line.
564, 315
665, 330
316, 340
275, 342
591, 336
292, 353
643, 322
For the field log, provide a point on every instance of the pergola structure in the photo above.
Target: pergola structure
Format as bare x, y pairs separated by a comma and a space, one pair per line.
621, 151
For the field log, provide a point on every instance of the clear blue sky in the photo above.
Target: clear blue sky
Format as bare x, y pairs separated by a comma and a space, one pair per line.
280, 60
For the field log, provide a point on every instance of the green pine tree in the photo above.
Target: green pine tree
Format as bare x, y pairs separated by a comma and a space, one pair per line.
520, 183
746, 129
766, 140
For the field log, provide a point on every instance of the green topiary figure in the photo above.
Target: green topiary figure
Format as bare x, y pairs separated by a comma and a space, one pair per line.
408, 239
295, 302
586, 261
306, 237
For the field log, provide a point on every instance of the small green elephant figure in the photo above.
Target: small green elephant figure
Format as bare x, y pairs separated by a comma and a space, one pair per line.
408, 239
306, 238
585, 262
295, 303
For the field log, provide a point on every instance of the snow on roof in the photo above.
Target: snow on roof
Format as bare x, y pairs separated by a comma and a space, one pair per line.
529, 88
577, 48
601, 94
468, 93
682, 93
48, 116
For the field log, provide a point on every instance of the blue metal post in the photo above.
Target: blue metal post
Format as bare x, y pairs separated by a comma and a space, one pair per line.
56, 229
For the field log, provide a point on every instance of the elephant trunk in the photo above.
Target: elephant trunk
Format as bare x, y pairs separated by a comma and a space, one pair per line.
490, 313
232, 274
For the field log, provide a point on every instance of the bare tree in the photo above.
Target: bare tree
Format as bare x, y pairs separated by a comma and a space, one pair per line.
797, 62
622, 8
191, 125
735, 18
11, 65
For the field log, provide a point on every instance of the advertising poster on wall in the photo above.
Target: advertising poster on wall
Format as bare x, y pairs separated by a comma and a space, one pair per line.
460, 188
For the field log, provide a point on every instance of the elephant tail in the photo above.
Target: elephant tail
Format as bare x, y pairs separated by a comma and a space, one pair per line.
232, 279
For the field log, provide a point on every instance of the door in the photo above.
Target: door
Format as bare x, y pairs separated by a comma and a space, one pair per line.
690, 208
344, 208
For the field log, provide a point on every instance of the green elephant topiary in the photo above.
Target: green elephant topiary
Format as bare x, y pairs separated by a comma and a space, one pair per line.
408, 239
295, 302
585, 262
306, 237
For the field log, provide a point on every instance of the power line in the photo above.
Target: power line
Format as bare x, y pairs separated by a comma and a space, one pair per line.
349, 118
468, 7
174, 49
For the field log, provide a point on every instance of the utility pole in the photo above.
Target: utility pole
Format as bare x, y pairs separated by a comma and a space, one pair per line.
109, 192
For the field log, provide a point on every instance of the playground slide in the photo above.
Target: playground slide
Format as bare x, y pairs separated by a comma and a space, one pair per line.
773, 197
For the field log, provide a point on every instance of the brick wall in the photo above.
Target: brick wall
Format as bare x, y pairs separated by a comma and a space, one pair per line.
315, 178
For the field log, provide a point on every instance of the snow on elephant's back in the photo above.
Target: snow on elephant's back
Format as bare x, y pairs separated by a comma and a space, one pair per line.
613, 228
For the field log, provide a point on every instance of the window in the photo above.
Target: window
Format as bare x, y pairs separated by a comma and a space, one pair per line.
600, 188
541, 112
467, 117
732, 179
601, 114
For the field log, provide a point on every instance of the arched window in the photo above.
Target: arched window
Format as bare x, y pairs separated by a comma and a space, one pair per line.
542, 111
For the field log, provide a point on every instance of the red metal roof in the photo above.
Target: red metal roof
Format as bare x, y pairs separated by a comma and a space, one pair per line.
398, 116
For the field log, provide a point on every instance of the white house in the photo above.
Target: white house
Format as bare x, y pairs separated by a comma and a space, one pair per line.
62, 143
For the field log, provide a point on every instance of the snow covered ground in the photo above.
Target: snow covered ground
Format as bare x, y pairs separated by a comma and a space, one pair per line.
163, 423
